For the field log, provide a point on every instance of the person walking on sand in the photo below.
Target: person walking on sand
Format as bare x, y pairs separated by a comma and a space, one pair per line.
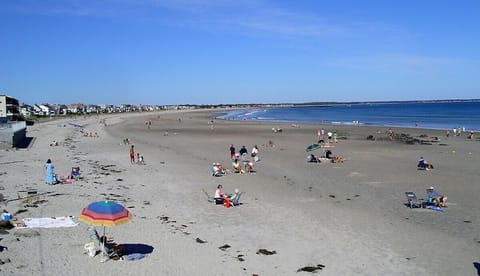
132, 155
232, 152
243, 152
255, 153
49, 175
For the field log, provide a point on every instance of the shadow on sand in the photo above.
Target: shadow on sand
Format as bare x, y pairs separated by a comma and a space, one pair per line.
477, 266
132, 248
26, 143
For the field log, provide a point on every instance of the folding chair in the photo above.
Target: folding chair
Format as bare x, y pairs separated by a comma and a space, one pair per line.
107, 247
413, 201
235, 200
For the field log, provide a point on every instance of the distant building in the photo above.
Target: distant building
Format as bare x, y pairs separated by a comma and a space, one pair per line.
9, 109
13, 129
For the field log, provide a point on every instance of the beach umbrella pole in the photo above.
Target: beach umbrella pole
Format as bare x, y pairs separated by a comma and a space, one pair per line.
104, 248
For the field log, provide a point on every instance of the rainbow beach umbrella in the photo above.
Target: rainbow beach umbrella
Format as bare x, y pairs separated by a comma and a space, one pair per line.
105, 213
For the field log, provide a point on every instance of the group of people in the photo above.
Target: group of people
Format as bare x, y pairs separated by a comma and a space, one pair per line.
434, 198
51, 178
226, 199
327, 155
238, 168
139, 158
241, 158
90, 134
332, 136
243, 153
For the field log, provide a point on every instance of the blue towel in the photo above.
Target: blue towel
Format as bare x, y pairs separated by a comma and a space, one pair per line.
435, 208
134, 256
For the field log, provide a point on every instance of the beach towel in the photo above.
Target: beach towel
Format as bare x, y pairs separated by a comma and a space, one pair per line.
134, 257
435, 208
53, 222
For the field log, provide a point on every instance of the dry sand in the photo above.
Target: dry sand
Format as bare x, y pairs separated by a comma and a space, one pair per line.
350, 217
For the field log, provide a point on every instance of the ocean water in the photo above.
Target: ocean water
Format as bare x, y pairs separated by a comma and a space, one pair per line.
440, 115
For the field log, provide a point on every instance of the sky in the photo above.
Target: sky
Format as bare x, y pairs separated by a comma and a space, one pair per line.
232, 51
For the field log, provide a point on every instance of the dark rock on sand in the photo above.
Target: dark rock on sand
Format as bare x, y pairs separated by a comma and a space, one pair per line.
266, 252
200, 240
224, 247
312, 269
4, 261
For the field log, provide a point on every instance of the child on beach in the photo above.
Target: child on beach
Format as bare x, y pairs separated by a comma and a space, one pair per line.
132, 155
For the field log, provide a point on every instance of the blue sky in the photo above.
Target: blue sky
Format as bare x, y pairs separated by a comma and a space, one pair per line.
234, 51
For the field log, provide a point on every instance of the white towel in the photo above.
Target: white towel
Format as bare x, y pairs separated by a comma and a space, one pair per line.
53, 222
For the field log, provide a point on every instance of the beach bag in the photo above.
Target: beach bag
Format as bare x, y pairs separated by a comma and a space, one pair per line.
226, 203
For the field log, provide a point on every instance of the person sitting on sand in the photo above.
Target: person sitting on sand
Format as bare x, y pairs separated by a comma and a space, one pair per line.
435, 198
338, 159
235, 197
237, 168
219, 168
249, 166
423, 164
312, 159
328, 154
219, 195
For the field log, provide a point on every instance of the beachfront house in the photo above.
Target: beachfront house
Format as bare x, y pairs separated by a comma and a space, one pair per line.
26, 110
41, 110
12, 129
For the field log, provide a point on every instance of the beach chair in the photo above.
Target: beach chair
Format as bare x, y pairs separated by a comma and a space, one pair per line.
75, 173
107, 247
209, 198
29, 198
413, 201
236, 200
216, 171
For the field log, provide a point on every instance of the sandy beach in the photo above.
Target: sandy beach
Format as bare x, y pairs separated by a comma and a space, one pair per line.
349, 217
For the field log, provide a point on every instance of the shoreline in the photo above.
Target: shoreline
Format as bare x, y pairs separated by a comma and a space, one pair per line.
411, 125
350, 217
